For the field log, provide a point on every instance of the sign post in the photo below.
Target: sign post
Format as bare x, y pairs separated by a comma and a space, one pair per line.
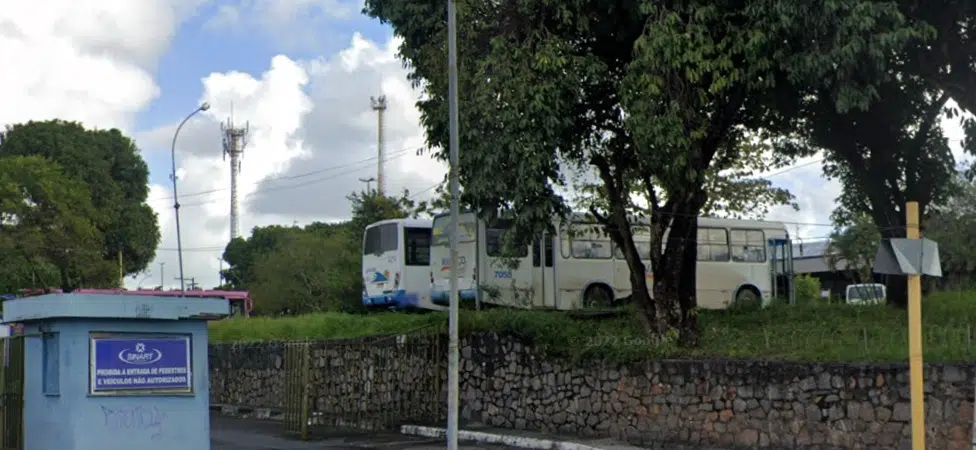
914, 257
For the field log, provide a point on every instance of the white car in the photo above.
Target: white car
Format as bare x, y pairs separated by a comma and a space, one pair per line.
866, 294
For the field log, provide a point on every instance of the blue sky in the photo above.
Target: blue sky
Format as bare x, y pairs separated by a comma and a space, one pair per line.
198, 50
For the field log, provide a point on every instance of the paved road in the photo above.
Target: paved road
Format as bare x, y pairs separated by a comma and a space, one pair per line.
227, 433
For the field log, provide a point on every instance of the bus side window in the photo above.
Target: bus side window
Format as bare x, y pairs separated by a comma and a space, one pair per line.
537, 257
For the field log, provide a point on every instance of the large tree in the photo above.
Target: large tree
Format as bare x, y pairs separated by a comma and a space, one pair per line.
48, 237
895, 150
653, 96
109, 164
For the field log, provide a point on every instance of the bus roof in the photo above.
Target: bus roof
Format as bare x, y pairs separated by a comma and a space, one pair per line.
415, 223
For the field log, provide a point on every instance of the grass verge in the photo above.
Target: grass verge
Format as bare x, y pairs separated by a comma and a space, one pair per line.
813, 332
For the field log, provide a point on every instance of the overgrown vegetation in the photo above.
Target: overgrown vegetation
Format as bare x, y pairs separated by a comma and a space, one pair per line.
809, 331
316, 268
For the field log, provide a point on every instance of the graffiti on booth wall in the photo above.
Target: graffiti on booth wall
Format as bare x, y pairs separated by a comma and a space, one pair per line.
148, 419
144, 310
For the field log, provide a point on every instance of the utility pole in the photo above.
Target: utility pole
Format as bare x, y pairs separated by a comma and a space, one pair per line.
162, 274
192, 283
121, 270
916, 371
454, 357
235, 139
367, 181
379, 105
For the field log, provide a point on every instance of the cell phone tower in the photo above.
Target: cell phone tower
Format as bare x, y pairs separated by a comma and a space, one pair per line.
235, 139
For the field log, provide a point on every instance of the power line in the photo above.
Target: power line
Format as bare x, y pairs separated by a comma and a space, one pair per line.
288, 177
289, 187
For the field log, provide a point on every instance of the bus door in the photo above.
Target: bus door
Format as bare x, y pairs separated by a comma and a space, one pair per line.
543, 273
505, 279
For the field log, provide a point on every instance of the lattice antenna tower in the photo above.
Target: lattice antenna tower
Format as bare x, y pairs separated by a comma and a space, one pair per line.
379, 105
235, 139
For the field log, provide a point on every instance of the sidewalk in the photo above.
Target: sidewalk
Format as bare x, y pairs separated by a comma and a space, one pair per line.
261, 430
234, 433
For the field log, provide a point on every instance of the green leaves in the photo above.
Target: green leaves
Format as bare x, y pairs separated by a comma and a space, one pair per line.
313, 268
852, 249
47, 231
113, 176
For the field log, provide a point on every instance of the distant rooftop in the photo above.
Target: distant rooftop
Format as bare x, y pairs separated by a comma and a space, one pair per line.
809, 249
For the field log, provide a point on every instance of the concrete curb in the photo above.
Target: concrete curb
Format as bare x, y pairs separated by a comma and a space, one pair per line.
496, 439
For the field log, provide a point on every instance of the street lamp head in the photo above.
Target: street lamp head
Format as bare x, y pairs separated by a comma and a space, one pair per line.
205, 106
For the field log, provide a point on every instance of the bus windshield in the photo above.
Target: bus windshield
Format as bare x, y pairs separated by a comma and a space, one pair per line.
467, 225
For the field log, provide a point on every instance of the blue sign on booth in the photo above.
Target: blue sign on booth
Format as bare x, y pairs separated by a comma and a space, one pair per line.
134, 365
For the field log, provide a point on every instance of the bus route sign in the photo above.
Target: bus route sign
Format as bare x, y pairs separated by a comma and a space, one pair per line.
123, 365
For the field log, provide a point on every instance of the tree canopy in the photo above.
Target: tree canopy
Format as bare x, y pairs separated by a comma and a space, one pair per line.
112, 175
653, 96
94, 186
48, 235
894, 150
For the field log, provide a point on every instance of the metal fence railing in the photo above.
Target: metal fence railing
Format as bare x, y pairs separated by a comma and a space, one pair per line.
365, 384
12, 393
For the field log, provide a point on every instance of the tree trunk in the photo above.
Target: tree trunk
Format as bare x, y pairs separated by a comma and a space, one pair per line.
641, 296
690, 328
675, 280
687, 220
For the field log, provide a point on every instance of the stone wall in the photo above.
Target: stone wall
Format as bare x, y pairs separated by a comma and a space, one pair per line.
367, 383
726, 403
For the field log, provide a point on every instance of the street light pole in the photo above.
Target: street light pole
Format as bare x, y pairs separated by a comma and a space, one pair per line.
176, 198
368, 181
454, 357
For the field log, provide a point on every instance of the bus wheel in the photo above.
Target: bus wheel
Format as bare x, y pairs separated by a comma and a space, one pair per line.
747, 298
597, 296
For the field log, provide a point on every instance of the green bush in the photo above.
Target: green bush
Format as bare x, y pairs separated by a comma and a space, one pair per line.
807, 289
809, 331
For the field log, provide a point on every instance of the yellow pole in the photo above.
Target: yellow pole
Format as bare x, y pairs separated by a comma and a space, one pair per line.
915, 337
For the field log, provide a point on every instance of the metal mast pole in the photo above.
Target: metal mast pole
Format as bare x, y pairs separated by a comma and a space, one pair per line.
379, 105
453, 375
235, 139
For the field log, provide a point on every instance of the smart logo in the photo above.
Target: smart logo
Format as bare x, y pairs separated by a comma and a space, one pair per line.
141, 355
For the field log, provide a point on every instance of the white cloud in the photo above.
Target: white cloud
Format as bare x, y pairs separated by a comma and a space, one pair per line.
312, 136
88, 60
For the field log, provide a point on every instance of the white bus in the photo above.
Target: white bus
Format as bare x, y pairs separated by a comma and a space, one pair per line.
583, 268
396, 265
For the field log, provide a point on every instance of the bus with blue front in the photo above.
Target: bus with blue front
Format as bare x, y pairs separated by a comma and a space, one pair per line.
396, 265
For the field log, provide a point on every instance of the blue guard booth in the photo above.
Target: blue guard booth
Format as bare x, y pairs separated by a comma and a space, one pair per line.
115, 372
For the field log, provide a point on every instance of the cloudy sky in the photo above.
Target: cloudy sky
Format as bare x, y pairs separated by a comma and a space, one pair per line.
299, 72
